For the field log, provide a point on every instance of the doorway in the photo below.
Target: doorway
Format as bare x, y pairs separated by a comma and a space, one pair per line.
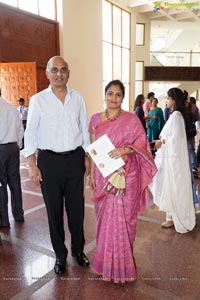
18, 79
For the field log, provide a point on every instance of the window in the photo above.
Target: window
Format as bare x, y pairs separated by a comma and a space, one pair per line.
116, 47
10, 2
140, 34
44, 8
139, 78
49, 13
30, 6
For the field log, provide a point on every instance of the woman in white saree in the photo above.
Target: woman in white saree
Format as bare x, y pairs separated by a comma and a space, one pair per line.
172, 189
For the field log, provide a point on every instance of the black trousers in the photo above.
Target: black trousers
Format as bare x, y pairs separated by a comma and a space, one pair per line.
63, 185
10, 175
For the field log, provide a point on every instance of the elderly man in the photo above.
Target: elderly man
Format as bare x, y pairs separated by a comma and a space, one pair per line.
11, 134
57, 127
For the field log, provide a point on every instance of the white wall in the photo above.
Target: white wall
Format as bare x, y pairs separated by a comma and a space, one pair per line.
81, 46
143, 52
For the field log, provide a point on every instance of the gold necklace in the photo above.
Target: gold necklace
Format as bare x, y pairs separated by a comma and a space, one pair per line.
112, 118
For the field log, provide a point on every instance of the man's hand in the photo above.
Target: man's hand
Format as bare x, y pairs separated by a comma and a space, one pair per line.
34, 171
35, 174
87, 166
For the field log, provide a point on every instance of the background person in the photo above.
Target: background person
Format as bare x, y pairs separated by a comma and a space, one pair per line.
138, 109
172, 186
23, 109
155, 122
11, 133
198, 140
57, 127
166, 113
119, 197
192, 115
147, 103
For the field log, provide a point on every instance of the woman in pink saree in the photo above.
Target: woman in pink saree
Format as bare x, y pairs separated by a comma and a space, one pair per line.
117, 206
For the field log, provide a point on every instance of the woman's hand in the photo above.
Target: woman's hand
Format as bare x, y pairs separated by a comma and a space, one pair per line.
158, 144
91, 182
119, 152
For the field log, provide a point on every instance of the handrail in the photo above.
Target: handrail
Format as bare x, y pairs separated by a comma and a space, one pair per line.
177, 58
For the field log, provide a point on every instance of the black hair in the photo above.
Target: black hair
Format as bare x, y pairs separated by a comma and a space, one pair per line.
192, 100
116, 82
155, 99
138, 101
178, 96
150, 94
185, 93
186, 110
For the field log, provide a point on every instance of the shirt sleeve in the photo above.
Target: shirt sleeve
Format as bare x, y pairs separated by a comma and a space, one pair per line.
84, 125
31, 132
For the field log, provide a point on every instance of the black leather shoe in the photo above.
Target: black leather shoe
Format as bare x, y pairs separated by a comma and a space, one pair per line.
82, 259
60, 266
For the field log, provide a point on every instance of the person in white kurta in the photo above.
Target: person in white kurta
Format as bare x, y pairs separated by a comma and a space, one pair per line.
172, 189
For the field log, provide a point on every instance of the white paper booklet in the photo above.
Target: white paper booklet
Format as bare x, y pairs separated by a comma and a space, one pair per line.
99, 153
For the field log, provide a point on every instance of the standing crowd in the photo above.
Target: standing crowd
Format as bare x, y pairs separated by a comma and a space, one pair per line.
157, 149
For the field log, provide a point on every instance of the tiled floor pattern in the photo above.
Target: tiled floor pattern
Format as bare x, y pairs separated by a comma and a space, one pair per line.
168, 263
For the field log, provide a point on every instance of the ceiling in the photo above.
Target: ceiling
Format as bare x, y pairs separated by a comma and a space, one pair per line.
176, 21
171, 10
175, 33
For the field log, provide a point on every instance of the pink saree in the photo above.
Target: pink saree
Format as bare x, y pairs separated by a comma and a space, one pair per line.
117, 215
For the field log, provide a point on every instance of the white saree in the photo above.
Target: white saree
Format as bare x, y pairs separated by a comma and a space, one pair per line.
172, 188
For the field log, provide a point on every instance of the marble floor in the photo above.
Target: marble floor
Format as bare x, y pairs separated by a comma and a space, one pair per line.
168, 263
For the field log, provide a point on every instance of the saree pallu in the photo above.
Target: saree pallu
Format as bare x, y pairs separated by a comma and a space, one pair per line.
155, 124
117, 215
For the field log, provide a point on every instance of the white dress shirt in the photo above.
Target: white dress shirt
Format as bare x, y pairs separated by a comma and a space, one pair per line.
11, 128
52, 125
23, 112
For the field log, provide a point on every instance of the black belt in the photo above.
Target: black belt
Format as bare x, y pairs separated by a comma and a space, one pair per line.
60, 153
11, 143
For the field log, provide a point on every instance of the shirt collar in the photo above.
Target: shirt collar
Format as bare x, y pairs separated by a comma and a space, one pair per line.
49, 90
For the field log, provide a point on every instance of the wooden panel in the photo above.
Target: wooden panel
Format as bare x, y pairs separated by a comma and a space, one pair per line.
18, 80
42, 81
172, 73
25, 37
